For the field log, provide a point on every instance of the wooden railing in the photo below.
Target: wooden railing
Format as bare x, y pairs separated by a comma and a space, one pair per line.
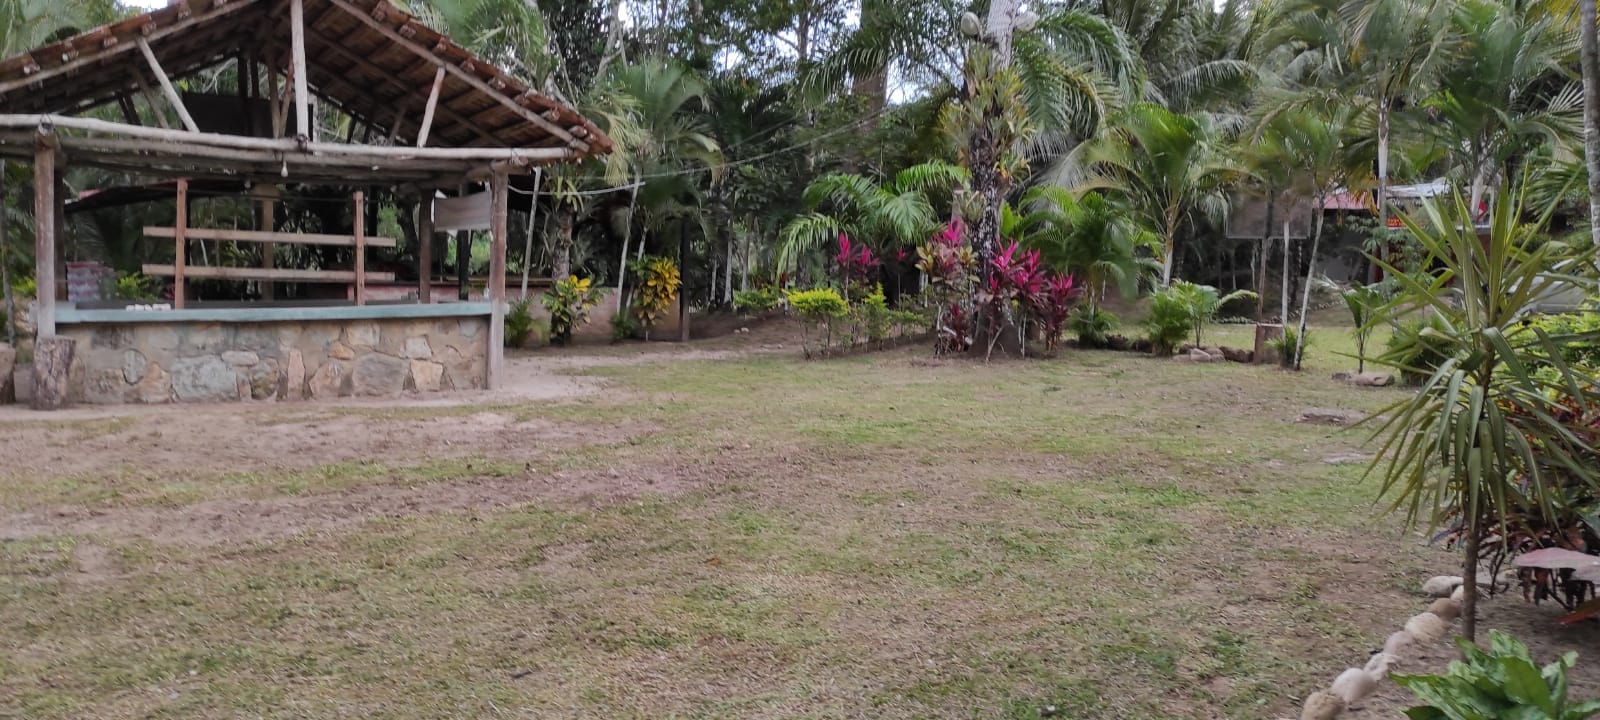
180, 270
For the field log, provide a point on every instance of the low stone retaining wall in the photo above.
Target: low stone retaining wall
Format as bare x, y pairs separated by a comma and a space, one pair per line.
277, 356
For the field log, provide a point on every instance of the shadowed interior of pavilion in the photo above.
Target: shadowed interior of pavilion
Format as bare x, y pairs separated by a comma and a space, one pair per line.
420, 117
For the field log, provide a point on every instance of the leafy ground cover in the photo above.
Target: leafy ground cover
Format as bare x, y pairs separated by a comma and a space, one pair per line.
725, 532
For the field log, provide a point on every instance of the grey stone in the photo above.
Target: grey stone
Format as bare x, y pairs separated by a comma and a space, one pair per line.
341, 351
112, 337
378, 375
417, 349
133, 366
240, 357
1366, 379
1324, 416
329, 380
204, 378
104, 386
264, 379
22, 382
470, 327
362, 335
1201, 356
295, 376
426, 376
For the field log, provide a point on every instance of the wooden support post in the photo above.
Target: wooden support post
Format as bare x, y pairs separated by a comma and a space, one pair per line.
52, 371
44, 233
180, 223
274, 102
166, 86
269, 251
463, 256
361, 247
302, 94
427, 112
425, 246
242, 81
499, 185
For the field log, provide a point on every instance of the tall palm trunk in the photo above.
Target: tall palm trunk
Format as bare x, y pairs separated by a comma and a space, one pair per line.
1305, 298
5, 262
1589, 61
561, 265
1263, 251
1383, 178
1172, 248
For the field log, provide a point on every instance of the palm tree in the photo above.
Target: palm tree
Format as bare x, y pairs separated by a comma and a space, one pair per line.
1324, 150
1089, 237
1167, 167
1508, 89
895, 214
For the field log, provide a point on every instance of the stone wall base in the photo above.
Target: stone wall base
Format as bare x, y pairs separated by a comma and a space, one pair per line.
150, 362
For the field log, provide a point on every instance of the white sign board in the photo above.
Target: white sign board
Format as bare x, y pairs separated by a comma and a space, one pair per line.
468, 212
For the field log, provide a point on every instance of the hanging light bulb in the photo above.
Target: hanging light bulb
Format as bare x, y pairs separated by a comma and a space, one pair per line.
1027, 20
970, 25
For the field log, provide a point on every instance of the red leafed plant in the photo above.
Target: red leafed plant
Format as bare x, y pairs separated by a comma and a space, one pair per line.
1052, 305
856, 264
950, 265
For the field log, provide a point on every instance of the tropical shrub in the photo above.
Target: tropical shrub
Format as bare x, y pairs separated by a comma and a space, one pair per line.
137, 287
519, 323
1487, 444
1201, 303
756, 301
659, 281
1363, 301
819, 307
1169, 322
1503, 682
858, 269
1015, 276
951, 268
1052, 305
623, 327
1092, 325
569, 302
1418, 346
1582, 327
24, 288
875, 316
1286, 345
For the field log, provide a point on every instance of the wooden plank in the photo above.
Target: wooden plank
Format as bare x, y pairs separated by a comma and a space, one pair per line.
395, 37
361, 248
302, 94
427, 112
44, 246
269, 250
265, 236
499, 185
129, 113
280, 274
150, 99
166, 86
425, 246
181, 223
474, 211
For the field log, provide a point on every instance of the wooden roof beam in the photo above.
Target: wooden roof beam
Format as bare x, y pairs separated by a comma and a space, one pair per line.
166, 85
387, 76
469, 78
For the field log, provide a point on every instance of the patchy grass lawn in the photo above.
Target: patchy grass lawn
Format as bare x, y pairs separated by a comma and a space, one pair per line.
879, 536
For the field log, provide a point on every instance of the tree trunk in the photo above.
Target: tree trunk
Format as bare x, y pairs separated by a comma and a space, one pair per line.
561, 264
1383, 180
52, 364
1589, 60
1171, 250
1283, 282
1469, 572
1264, 251
1305, 298
683, 290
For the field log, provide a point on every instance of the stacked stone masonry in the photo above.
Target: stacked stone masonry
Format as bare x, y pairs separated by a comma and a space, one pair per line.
290, 360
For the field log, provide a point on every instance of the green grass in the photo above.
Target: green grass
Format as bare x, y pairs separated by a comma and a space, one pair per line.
1111, 535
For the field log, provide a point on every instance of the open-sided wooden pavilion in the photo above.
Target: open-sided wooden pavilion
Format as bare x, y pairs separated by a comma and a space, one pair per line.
425, 115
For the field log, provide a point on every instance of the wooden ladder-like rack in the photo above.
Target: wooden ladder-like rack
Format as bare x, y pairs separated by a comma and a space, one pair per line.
180, 270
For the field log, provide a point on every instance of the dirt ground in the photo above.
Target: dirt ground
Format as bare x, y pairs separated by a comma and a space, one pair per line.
717, 530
